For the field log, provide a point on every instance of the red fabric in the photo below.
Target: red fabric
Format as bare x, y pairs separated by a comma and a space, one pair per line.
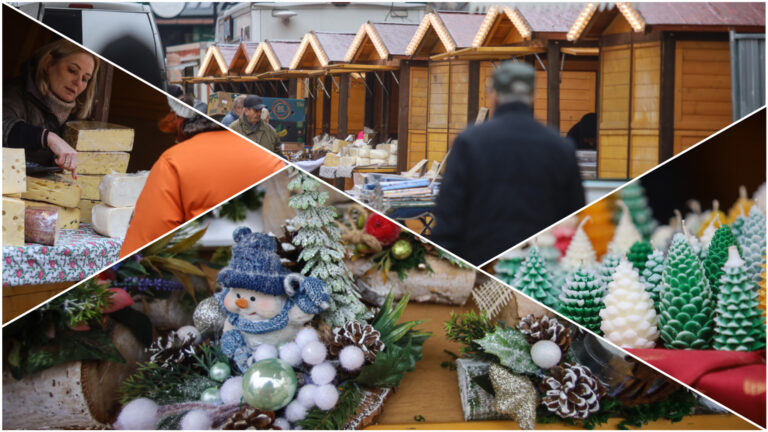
735, 379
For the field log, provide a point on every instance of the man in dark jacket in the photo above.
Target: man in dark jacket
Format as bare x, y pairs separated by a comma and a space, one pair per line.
507, 179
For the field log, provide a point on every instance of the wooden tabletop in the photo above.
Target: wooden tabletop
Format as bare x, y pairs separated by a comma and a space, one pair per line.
432, 392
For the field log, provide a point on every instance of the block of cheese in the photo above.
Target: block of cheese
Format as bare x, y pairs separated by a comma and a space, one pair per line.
392, 160
378, 161
86, 209
379, 154
332, 160
353, 151
364, 152
102, 162
122, 190
41, 225
111, 221
98, 136
69, 217
14, 171
348, 161
13, 222
363, 161
53, 189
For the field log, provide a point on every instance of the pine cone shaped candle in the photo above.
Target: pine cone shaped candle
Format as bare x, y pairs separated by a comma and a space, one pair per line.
717, 254
761, 290
600, 227
361, 335
582, 299
739, 325
571, 391
741, 207
687, 305
638, 255
752, 243
536, 328
580, 253
715, 216
534, 280
629, 319
709, 233
651, 276
633, 195
626, 233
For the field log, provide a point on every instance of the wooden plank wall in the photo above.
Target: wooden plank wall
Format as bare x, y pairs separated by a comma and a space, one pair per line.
646, 81
614, 111
702, 91
577, 97
486, 81
439, 95
417, 114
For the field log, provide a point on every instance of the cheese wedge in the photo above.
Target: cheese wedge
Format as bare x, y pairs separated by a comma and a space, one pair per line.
111, 221
14, 171
13, 222
69, 217
53, 189
98, 136
122, 190
102, 162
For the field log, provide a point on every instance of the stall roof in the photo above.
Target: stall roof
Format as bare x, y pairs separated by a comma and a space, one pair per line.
242, 57
274, 55
441, 32
217, 59
380, 40
595, 18
519, 23
321, 49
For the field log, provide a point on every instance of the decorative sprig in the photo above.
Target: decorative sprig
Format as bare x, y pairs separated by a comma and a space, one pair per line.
467, 328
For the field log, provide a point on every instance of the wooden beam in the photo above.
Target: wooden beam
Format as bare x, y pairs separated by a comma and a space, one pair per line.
343, 104
402, 116
629, 111
667, 98
386, 102
326, 121
473, 92
553, 84
581, 51
309, 113
292, 88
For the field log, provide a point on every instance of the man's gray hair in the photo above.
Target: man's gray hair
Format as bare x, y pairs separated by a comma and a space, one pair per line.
514, 82
239, 101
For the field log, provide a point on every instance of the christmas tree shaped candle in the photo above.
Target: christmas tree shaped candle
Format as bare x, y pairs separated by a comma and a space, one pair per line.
633, 195
741, 207
533, 279
582, 299
629, 319
717, 254
607, 267
714, 214
739, 325
752, 242
600, 227
626, 233
651, 276
580, 252
687, 306
638, 254
509, 264
761, 290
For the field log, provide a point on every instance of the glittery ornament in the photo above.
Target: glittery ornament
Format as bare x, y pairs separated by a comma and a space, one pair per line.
402, 249
208, 317
269, 384
515, 396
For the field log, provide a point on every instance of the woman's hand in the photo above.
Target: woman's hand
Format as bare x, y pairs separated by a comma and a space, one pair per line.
66, 156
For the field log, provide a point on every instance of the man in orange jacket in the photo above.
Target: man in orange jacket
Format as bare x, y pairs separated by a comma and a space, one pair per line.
206, 167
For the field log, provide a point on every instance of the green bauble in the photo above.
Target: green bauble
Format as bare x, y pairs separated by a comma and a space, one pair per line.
638, 255
211, 395
687, 305
402, 249
219, 371
739, 324
651, 276
269, 385
534, 280
582, 298
717, 254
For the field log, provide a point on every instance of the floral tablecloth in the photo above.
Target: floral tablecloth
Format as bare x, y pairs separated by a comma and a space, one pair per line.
78, 254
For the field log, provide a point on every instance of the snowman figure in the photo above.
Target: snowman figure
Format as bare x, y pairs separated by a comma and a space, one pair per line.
264, 302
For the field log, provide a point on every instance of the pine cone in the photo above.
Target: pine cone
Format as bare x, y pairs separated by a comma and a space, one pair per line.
572, 391
249, 418
288, 253
364, 336
172, 349
536, 328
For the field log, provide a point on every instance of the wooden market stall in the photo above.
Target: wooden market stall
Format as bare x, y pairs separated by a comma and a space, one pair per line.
329, 97
266, 67
441, 102
664, 76
215, 66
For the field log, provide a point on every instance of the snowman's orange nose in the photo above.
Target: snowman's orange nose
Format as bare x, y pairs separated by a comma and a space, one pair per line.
241, 303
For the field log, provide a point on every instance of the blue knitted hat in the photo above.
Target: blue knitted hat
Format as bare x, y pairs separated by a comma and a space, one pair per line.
255, 264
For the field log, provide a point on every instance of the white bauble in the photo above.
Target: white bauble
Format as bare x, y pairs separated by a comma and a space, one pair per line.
138, 414
307, 334
282, 423
290, 353
295, 411
326, 396
264, 351
314, 353
306, 396
232, 390
546, 354
351, 358
196, 420
322, 374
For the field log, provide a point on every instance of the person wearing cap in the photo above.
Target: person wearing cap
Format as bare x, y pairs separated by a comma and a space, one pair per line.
208, 165
506, 179
252, 126
237, 110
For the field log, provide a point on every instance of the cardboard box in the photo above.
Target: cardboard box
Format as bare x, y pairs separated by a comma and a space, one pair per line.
220, 103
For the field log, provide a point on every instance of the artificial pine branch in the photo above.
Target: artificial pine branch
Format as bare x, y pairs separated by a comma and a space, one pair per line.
467, 328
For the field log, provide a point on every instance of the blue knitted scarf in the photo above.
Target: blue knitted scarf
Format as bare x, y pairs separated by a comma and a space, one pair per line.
277, 322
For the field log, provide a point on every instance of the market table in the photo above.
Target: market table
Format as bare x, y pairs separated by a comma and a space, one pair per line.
432, 392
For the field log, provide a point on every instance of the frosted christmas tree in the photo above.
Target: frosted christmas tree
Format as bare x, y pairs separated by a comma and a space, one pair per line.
717, 254
323, 251
633, 195
626, 233
651, 276
629, 319
582, 299
533, 279
687, 305
752, 242
580, 252
739, 325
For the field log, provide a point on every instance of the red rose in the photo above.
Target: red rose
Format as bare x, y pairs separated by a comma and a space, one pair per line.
380, 227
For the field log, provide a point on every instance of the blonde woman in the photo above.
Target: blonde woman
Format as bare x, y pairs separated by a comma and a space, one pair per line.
56, 86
